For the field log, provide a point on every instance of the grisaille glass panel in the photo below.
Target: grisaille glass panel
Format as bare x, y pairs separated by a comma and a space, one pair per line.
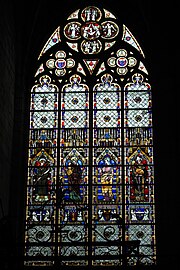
90, 172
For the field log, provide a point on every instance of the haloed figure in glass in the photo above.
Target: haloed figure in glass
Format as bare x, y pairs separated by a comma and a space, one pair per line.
74, 173
139, 178
42, 179
106, 174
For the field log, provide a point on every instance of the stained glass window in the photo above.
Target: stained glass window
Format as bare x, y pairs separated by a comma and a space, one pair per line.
90, 183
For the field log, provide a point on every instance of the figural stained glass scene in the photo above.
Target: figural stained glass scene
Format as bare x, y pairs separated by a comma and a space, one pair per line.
90, 177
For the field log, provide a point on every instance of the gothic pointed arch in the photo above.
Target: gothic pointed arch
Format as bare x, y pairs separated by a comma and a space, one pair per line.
90, 183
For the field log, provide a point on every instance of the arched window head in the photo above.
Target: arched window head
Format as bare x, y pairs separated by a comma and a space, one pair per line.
90, 173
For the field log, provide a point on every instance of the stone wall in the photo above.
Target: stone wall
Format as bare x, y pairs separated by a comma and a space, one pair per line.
7, 82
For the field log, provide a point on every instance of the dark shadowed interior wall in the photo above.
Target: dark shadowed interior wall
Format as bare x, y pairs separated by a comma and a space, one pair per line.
24, 29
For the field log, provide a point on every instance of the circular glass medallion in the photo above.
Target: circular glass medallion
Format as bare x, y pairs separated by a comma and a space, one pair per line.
122, 62
131, 61
91, 47
109, 30
122, 71
112, 62
72, 30
60, 72
60, 63
91, 30
121, 53
91, 14
70, 63
60, 54
50, 63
